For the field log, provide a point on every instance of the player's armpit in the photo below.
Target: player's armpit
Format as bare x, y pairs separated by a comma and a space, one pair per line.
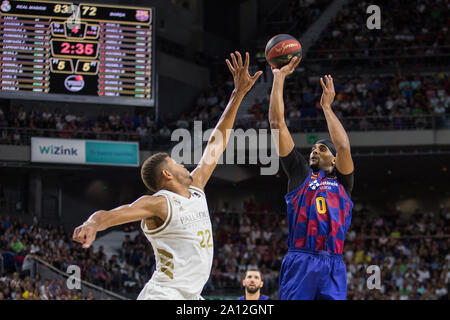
347, 181
296, 168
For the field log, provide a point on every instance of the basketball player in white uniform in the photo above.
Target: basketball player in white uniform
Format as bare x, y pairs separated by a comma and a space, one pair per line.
175, 219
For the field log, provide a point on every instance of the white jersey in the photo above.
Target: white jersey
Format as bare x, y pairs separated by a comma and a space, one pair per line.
183, 245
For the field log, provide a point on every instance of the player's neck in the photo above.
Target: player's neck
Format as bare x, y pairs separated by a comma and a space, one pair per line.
252, 296
328, 171
180, 189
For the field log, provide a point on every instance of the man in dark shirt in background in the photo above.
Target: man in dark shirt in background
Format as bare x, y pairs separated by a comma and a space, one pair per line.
253, 283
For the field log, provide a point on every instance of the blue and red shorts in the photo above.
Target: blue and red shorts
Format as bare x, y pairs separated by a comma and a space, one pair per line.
308, 274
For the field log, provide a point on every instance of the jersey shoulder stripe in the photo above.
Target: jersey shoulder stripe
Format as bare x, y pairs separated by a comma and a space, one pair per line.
198, 190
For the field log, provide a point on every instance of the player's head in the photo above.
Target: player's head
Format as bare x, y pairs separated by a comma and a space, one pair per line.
252, 281
322, 156
161, 171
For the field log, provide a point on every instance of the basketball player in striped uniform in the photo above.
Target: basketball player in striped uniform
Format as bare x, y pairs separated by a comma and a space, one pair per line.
318, 202
175, 219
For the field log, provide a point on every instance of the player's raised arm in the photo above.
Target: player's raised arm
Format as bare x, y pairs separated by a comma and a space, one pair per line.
284, 144
143, 208
344, 161
218, 140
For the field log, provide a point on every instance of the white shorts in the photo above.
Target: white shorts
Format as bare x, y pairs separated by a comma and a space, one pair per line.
152, 291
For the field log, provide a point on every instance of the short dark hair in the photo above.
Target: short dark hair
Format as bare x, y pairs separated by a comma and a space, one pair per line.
151, 171
252, 269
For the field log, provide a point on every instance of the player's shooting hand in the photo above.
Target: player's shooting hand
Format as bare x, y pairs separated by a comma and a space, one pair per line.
328, 92
243, 82
287, 69
85, 234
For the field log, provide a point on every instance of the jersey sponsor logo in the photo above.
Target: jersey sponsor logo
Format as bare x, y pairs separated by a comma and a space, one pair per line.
328, 185
194, 217
314, 184
323, 185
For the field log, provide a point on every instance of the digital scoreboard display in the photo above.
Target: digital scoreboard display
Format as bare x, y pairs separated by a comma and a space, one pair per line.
79, 52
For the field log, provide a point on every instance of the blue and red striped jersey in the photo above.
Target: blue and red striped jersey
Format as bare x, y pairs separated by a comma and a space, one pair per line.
319, 214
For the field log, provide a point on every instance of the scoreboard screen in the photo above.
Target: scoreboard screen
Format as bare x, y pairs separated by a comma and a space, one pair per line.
79, 52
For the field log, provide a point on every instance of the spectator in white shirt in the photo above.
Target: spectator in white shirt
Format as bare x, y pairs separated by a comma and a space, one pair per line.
423, 273
70, 117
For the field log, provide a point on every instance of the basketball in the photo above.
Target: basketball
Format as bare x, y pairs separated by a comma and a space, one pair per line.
281, 48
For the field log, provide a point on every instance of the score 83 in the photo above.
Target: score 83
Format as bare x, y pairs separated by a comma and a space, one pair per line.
62, 8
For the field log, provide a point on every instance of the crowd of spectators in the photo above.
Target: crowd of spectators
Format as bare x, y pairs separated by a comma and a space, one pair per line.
292, 17
301, 14
58, 123
410, 29
362, 103
123, 273
412, 253
402, 101
24, 287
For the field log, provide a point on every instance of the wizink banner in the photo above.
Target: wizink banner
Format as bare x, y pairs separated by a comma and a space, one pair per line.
85, 152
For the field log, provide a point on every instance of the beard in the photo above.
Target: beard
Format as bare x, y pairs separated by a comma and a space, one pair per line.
315, 166
252, 290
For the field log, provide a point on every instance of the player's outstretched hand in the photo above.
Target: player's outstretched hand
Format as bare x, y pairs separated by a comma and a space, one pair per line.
243, 82
287, 69
85, 234
328, 92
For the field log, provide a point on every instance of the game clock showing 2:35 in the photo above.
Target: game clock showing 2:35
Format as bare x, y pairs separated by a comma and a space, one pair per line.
74, 49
